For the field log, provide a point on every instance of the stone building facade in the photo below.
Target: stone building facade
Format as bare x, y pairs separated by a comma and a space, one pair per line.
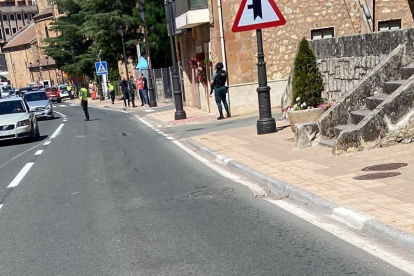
310, 19
27, 62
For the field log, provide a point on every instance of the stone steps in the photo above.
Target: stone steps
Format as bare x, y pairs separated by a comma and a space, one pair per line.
374, 101
407, 72
327, 142
340, 128
359, 115
390, 86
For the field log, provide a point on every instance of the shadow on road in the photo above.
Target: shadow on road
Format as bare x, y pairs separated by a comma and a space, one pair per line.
8, 143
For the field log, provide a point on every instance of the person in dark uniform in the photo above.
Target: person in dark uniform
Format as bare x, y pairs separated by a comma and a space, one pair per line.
83, 96
125, 92
218, 83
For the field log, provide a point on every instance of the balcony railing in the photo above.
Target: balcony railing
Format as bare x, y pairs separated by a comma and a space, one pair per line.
18, 9
183, 6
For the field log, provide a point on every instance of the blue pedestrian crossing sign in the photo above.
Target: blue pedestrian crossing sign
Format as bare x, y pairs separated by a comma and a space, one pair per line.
101, 68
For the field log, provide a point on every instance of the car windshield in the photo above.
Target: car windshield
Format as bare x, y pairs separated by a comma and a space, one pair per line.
41, 96
11, 107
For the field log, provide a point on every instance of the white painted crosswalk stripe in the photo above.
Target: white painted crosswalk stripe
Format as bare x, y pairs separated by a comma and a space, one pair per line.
20, 175
39, 152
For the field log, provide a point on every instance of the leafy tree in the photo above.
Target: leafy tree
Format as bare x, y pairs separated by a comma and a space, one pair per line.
91, 26
307, 82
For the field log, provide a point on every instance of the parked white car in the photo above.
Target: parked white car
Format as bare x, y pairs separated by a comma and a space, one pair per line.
63, 90
16, 120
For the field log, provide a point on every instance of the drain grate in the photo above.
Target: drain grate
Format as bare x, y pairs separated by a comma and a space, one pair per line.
210, 193
374, 176
385, 167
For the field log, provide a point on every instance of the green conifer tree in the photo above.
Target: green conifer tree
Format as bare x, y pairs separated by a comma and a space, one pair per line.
307, 82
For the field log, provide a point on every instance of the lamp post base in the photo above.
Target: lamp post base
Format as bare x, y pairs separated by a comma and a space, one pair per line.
152, 104
266, 126
180, 115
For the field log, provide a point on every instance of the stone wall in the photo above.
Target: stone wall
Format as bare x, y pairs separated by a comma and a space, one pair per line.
18, 66
345, 61
346, 16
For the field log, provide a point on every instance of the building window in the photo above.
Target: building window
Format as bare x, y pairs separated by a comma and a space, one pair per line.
33, 14
4, 17
14, 30
26, 16
11, 16
1, 34
389, 25
7, 31
19, 16
46, 32
322, 33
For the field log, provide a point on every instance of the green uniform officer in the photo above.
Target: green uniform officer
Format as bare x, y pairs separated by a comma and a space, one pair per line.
83, 96
218, 83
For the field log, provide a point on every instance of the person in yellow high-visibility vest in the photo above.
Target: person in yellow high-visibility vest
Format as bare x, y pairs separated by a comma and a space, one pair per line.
83, 96
111, 89
69, 89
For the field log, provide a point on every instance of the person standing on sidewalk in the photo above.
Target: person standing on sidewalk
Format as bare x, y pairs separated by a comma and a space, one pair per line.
83, 96
145, 89
218, 83
111, 89
132, 89
125, 92
140, 87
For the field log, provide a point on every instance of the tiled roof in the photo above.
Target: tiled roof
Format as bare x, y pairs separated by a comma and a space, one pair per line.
43, 14
24, 36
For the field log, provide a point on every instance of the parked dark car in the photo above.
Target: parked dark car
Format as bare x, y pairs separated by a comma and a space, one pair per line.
23, 90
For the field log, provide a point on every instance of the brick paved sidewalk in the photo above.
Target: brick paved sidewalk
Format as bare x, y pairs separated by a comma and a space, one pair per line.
314, 169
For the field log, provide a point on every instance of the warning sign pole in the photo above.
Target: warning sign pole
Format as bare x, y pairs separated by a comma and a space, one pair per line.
266, 124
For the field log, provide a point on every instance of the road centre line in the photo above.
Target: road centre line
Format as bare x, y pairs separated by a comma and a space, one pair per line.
20, 154
39, 152
56, 131
47, 143
20, 175
1, 205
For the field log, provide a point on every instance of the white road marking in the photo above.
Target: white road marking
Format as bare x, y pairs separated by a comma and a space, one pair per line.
1, 205
145, 122
62, 105
56, 131
170, 138
20, 175
39, 152
20, 154
47, 143
372, 248
149, 110
365, 244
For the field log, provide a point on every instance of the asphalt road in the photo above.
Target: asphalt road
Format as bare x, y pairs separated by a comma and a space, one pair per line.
114, 197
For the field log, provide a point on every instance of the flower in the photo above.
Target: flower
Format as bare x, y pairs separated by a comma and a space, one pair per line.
325, 106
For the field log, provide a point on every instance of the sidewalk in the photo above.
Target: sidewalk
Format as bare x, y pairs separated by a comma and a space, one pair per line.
312, 175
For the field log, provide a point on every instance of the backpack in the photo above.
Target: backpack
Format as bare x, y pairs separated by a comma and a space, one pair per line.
132, 85
221, 78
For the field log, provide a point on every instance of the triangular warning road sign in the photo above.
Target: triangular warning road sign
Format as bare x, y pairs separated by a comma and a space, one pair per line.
101, 68
257, 14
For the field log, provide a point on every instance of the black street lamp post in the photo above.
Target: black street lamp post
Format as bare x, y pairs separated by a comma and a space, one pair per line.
178, 96
266, 124
40, 70
152, 102
122, 33
74, 64
31, 72
48, 70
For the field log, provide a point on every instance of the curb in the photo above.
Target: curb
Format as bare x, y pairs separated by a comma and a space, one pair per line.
358, 220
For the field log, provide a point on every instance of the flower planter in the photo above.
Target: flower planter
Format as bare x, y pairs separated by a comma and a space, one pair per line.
304, 116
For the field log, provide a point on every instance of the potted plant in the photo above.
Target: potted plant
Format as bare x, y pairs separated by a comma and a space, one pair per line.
307, 87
